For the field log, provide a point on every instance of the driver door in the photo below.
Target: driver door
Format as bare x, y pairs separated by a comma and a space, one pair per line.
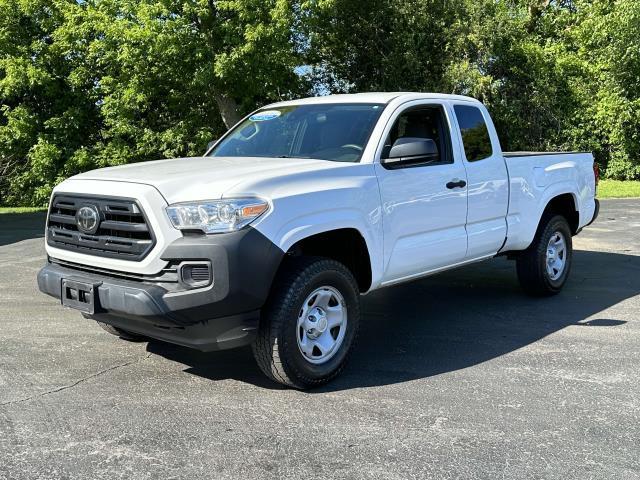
424, 205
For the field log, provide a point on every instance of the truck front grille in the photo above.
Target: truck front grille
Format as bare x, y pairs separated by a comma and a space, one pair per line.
120, 231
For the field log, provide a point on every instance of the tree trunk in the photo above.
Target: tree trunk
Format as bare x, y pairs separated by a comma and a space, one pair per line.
228, 110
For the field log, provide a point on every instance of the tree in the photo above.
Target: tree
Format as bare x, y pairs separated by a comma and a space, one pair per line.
556, 75
92, 83
607, 40
42, 120
125, 81
512, 59
379, 45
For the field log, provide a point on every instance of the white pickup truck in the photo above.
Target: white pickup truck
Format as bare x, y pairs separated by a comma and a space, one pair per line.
270, 238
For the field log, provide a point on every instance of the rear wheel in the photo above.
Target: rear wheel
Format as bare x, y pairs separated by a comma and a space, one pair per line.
119, 332
309, 324
543, 268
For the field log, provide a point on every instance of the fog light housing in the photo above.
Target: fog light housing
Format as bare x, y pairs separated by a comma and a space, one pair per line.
195, 274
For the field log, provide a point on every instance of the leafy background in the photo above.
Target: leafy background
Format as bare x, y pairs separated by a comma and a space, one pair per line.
92, 83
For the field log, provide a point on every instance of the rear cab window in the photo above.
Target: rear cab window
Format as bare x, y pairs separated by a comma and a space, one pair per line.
474, 132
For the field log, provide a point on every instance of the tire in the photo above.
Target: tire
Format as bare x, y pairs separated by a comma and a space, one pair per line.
287, 324
534, 276
119, 332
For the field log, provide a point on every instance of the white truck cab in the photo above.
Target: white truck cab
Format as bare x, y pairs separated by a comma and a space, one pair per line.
271, 236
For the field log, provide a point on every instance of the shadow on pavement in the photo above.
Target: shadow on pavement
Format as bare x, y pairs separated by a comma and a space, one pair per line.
15, 227
450, 321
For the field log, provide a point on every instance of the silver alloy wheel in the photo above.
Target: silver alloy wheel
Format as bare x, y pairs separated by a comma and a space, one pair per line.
556, 255
322, 324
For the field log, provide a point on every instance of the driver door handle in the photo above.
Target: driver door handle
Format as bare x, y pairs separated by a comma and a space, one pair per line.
456, 183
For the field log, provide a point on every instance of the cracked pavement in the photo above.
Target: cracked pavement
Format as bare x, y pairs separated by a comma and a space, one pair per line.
77, 382
455, 376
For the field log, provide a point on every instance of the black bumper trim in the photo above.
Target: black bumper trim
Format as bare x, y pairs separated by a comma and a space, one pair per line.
141, 308
243, 263
216, 334
123, 297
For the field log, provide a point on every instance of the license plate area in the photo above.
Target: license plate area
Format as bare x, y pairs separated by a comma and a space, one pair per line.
79, 295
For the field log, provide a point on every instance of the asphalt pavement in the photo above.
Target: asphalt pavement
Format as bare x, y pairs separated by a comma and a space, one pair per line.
459, 375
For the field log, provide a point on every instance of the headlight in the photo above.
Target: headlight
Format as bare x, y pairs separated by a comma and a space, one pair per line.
216, 216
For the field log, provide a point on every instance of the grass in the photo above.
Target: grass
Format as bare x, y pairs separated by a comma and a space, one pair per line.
618, 189
21, 209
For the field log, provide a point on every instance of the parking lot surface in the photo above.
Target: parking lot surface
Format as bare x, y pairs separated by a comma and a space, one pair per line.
459, 375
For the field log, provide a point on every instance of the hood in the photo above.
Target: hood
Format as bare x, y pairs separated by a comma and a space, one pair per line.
203, 178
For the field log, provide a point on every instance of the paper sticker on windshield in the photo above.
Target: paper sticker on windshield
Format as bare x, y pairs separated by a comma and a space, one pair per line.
266, 115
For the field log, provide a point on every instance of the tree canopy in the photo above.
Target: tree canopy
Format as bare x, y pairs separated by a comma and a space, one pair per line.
92, 83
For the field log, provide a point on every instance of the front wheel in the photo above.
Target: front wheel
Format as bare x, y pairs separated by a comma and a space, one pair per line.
543, 268
309, 324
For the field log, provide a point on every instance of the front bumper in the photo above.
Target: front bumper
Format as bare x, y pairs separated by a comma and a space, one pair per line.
222, 315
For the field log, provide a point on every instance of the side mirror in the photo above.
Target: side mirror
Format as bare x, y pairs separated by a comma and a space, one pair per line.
211, 144
411, 151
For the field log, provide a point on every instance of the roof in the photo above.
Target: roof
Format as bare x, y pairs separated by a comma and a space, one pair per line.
372, 97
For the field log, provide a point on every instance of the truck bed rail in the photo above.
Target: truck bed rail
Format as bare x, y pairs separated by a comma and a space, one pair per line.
535, 154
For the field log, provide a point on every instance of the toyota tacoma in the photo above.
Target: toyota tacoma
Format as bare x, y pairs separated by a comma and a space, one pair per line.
270, 237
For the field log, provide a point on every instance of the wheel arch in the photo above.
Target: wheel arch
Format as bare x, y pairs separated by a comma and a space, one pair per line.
525, 216
346, 245
561, 202
564, 204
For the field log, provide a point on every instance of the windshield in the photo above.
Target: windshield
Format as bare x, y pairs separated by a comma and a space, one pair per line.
337, 132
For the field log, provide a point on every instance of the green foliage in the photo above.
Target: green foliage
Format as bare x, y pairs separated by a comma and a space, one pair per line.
380, 45
92, 83
562, 74
88, 84
608, 40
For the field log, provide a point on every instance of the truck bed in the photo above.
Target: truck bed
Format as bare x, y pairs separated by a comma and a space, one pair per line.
534, 179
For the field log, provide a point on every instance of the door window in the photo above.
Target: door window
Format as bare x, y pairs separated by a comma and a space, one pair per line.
475, 135
422, 122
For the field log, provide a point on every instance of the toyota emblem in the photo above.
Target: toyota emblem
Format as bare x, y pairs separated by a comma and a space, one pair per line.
88, 219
